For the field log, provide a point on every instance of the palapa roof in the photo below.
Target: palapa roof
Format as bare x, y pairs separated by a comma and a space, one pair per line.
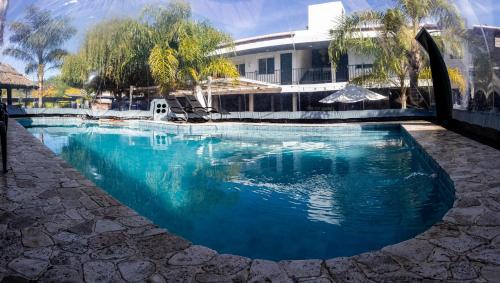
10, 77
235, 86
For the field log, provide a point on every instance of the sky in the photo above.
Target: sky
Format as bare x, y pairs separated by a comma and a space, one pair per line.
240, 18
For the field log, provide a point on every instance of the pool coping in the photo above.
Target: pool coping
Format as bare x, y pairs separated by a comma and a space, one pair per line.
56, 224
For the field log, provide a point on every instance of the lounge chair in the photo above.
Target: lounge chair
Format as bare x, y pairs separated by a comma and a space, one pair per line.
4, 122
175, 106
196, 107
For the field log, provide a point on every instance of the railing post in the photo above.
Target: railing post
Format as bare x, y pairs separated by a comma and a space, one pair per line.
250, 103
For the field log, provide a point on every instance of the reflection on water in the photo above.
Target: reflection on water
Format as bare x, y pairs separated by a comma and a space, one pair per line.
262, 194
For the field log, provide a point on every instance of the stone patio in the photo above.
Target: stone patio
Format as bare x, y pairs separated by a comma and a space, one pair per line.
56, 226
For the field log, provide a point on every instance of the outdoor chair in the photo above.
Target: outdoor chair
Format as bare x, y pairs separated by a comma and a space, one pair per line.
196, 107
4, 122
175, 106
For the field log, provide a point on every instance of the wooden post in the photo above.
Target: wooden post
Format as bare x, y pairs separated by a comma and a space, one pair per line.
209, 94
294, 102
130, 98
250, 103
9, 95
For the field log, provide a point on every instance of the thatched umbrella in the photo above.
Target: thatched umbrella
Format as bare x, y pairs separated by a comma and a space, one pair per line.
11, 79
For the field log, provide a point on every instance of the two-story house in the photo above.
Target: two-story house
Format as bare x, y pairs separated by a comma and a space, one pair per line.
297, 62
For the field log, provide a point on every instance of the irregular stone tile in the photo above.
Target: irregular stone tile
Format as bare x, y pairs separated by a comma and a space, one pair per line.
105, 225
488, 256
10, 252
104, 200
118, 251
29, 268
106, 239
136, 270
267, 271
156, 278
161, 246
464, 270
88, 203
14, 279
77, 247
302, 268
491, 273
315, 280
459, 244
345, 270
99, 271
207, 277
486, 232
65, 237
226, 264
35, 237
442, 255
180, 274
378, 262
413, 250
61, 274
39, 253
134, 221
489, 218
84, 228
435, 271
60, 257
464, 216
194, 255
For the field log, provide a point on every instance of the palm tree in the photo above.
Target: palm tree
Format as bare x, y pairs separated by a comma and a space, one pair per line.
4, 4
37, 40
395, 51
186, 55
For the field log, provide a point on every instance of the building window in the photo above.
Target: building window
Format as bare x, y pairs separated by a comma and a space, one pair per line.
241, 69
497, 42
364, 66
266, 66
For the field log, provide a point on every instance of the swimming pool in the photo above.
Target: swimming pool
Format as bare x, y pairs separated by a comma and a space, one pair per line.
272, 192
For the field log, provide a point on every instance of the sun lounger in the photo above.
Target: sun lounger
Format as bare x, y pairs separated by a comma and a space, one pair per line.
176, 107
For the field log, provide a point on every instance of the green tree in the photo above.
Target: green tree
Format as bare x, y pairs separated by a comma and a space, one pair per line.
37, 40
397, 55
117, 51
186, 54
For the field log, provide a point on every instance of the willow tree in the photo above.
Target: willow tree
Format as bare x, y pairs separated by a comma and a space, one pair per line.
392, 41
186, 54
116, 51
37, 40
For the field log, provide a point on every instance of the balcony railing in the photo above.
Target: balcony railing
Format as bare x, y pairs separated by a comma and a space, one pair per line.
310, 75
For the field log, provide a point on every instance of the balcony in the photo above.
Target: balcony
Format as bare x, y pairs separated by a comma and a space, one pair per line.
299, 76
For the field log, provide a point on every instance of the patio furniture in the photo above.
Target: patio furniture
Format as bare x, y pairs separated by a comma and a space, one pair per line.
195, 106
4, 121
175, 106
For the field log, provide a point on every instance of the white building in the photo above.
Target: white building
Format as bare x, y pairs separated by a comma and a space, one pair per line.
297, 61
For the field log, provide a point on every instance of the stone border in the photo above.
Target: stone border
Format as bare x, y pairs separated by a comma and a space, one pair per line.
55, 225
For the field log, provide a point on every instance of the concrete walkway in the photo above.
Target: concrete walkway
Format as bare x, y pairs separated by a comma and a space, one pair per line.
56, 226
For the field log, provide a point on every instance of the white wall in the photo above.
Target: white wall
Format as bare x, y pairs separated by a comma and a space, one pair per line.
323, 17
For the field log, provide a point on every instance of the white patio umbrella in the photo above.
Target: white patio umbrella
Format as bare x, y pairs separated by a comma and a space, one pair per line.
352, 94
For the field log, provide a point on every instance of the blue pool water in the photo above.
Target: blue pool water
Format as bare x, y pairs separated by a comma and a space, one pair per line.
268, 192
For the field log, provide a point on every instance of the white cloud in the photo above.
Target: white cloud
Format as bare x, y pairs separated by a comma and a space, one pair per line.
70, 2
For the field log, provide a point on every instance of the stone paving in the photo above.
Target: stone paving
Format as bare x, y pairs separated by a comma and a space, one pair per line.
56, 226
